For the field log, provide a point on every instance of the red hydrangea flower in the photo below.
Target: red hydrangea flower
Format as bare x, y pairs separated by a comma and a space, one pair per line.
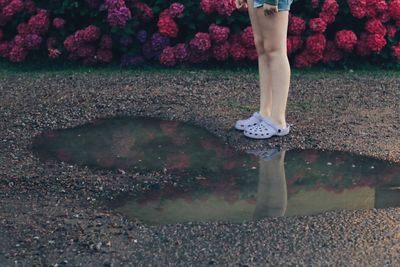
218, 34
201, 42
384, 16
346, 40
301, 60
86, 50
251, 53
396, 51
39, 23
381, 5
167, 26
394, 9
329, 10
314, 3
17, 54
176, 10
316, 43
294, 43
358, 8
58, 23
225, 7
104, 55
181, 51
167, 56
313, 57
23, 28
89, 34
145, 12
391, 31
118, 14
208, 6
220, 51
375, 26
296, 25
317, 25
18, 40
376, 42
247, 37
70, 43
237, 51
331, 52
14, 7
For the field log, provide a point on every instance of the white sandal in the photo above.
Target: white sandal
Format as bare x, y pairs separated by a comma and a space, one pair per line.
266, 129
252, 121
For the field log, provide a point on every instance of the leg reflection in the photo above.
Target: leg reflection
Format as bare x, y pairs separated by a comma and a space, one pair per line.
271, 192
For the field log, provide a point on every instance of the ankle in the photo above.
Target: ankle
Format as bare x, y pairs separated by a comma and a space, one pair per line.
265, 114
281, 123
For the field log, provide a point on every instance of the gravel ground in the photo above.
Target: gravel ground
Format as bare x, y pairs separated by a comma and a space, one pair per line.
49, 211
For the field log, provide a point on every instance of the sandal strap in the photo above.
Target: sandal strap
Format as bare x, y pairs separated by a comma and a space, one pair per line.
273, 124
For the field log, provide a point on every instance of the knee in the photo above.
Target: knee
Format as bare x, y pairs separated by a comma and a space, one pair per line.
272, 52
259, 44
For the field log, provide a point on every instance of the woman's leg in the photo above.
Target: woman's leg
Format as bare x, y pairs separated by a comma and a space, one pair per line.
265, 89
273, 30
271, 191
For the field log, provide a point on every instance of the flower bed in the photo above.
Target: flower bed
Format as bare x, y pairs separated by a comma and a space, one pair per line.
326, 32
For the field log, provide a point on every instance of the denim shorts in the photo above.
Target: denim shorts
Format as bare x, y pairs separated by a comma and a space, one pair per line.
283, 5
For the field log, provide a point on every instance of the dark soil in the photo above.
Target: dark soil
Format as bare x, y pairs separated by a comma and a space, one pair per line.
49, 211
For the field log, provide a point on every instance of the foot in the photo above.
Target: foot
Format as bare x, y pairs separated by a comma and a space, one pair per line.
252, 121
266, 128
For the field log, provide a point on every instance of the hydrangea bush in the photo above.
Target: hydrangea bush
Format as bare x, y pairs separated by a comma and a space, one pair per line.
133, 32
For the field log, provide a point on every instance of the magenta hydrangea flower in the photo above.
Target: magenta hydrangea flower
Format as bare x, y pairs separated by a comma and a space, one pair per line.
17, 54
220, 51
23, 28
167, 56
218, 34
32, 41
86, 50
118, 14
247, 37
176, 10
39, 23
201, 42
14, 7
225, 7
181, 52
58, 23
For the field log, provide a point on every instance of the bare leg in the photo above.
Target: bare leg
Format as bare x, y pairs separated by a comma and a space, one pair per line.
265, 89
271, 191
274, 33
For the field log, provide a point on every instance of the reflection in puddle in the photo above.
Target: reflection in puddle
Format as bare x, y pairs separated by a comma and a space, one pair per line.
218, 182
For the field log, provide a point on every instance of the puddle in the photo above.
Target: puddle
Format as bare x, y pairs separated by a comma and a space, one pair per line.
220, 183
